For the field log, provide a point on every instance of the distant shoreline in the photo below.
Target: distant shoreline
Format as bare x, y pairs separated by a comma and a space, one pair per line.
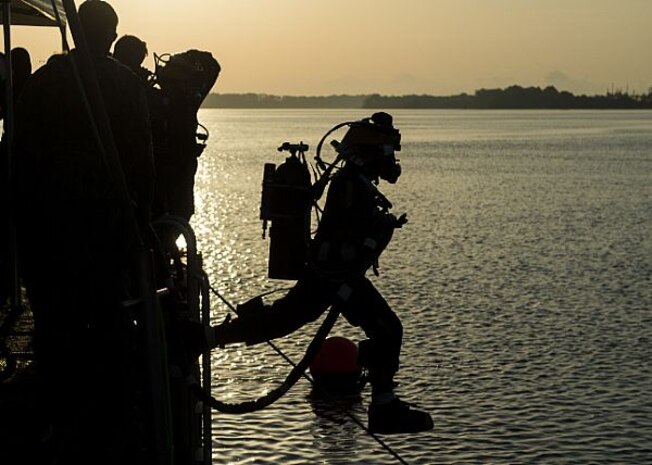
509, 98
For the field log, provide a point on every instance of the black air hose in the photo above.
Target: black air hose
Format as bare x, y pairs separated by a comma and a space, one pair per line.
291, 379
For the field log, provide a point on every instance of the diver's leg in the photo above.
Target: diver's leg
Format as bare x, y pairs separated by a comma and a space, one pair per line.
367, 309
257, 322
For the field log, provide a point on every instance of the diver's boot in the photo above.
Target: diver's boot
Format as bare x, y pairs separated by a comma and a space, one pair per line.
246, 327
396, 417
251, 308
197, 339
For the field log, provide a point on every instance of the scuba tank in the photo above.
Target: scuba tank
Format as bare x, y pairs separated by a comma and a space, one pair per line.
286, 201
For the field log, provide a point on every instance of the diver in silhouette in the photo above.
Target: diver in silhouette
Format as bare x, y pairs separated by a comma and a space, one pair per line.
355, 228
76, 244
180, 84
175, 92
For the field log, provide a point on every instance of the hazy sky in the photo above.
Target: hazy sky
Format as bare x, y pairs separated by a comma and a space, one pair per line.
298, 47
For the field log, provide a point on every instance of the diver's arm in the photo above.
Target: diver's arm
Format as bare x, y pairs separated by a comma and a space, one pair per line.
377, 238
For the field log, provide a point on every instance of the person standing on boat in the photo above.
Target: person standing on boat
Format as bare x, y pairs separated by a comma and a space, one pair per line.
21, 71
131, 52
75, 247
354, 230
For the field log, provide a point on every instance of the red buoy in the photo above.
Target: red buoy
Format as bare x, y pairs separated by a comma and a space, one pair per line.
336, 365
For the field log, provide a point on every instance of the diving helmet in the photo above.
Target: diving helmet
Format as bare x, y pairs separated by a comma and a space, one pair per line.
193, 72
372, 142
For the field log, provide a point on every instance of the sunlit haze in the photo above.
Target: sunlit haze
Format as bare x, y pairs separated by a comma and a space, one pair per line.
395, 47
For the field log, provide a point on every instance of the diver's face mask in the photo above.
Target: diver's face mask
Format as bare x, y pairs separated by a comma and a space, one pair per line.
371, 143
389, 168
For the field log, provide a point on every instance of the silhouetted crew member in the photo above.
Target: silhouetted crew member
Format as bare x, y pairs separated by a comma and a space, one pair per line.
22, 67
75, 246
21, 71
355, 228
131, 51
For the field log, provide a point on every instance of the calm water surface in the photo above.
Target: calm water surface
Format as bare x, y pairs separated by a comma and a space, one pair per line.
523, 278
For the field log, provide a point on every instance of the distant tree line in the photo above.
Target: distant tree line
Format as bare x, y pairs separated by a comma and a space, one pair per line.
513, 97
276, 101
516, 97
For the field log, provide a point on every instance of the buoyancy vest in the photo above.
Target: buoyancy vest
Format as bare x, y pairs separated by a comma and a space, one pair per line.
355, 229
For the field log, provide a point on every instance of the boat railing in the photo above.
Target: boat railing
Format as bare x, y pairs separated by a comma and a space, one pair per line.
187, 266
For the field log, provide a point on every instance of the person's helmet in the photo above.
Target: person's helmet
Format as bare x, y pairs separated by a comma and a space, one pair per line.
372, 143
